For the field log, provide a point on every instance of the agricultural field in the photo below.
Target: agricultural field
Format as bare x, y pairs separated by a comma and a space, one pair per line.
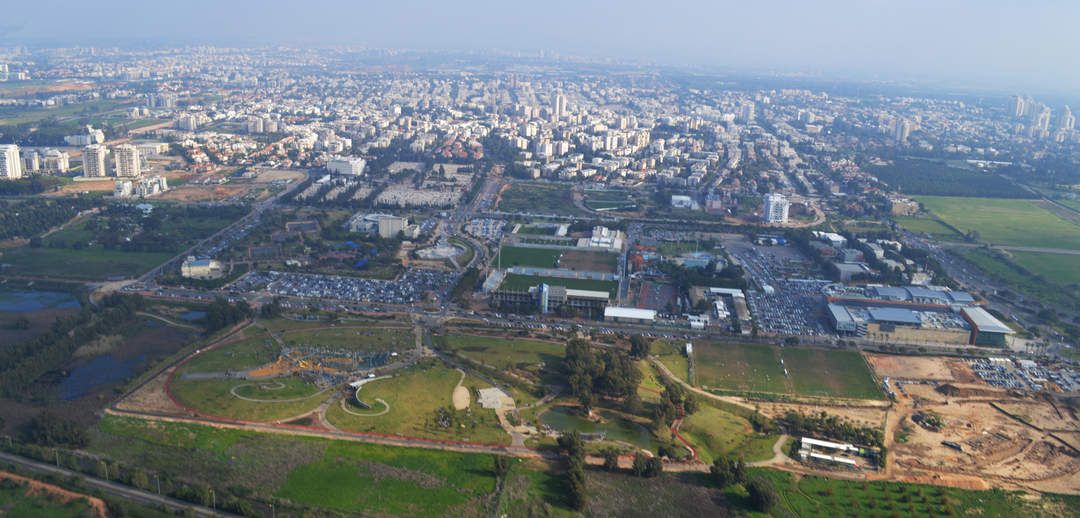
538, 198
756, 368
524, 282
415, 397
1004, 271
536, 257
1005, 222
263, 400
1055, 268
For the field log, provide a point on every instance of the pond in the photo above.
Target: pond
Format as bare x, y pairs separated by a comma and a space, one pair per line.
565, 419
99, 371
31, 300
192, 316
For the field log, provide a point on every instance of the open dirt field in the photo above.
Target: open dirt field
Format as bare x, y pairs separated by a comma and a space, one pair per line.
920, 368
588, 261
78, 187
270, 175
203, 192
868, 417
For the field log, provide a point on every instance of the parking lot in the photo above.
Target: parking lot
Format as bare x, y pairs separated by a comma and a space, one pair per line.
410, 287
782, 305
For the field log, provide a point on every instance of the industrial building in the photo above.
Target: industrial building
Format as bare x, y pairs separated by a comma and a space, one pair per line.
193, 268
728, 304
385, 225
548, 298
602, 238
629, 315
915, 314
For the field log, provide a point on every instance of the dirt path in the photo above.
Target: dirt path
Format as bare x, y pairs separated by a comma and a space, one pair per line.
461, 393
167, 321
380, 400
727, 399
779, 457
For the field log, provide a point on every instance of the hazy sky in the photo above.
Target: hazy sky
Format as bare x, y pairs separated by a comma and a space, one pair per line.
990, 43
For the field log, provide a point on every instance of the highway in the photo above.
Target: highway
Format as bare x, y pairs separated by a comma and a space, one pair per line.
112, 488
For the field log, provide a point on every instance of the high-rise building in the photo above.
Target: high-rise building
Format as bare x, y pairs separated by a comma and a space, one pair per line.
94, 161
1016, 106
126, 157
558, 107
901, 131
32, 162
776, 208
56, 161
1067, 120
1042, 121
10, 163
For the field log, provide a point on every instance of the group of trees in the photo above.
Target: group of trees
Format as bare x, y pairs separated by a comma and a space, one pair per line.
727, 472
27, 186
822, 424
31, 217
646, 467
49, 429
576, 491
730, 276
221, 314
912, 176
673, 399
591, 373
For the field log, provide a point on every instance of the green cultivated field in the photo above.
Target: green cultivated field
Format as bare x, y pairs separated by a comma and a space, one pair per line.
1005, 222
756, 368
537, 257
1056, 268
414, 395
524, 282
213, 397
86, 264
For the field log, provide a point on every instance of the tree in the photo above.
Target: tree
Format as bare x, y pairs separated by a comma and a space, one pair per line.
654, 467
762, 494
611, 459
577, 494
139, 479
639, 346
502, 466
574, 446
726, 471
640, 464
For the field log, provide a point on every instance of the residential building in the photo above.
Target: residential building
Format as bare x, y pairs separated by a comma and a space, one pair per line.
775, 209
126, 157
10, 164
94, 161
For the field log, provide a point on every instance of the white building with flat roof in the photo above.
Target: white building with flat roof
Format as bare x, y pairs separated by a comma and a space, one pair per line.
346, 165
775, 209
10, 163
94, 160
126, 157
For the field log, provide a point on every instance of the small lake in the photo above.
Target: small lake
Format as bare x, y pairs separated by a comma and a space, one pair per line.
192, 316
31, 300
564, 419
100, 371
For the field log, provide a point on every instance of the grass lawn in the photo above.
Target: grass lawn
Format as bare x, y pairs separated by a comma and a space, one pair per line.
87, 264
503, 353
248, 354
524, 282
926, 226
354, 338
715, 432
537, 257
1005, 222
465, 256
414, 396
21, 502
1000, 269
671, 355
213, 397
1058, 268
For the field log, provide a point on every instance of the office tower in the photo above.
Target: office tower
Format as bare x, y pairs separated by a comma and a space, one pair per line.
10, 164
1067, 120
1043, 120
902, 130
126, 157
776, 208
94, 161
1016, 106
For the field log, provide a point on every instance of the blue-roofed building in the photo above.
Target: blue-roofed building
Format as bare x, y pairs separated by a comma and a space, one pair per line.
895, 316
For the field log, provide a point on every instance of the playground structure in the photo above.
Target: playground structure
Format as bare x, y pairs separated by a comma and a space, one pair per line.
324, 366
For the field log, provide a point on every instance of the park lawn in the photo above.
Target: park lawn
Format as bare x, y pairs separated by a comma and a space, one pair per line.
1055, 268
926, 226
244, 355
650, 379
715, 432
414, 396
678, 248
524, 282
536, 257
93, 263
1005, 221
503, 353
671, 355
213, 397
353, 338
824, 372
739, 367
387, 481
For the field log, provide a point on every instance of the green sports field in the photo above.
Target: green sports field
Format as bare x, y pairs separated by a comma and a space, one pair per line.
1005, 221
743, 367
524, 282
536, 257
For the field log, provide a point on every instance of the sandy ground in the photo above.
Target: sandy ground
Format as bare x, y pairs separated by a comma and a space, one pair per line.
461, 394
34, 487
204, 192
920, 368
79, 187
278, 174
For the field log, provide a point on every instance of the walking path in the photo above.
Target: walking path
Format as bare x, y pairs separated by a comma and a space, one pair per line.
167, 321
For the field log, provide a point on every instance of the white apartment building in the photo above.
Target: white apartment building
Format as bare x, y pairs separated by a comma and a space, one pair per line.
775, 209
346, 165
94, 161
126, 157
10, 163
